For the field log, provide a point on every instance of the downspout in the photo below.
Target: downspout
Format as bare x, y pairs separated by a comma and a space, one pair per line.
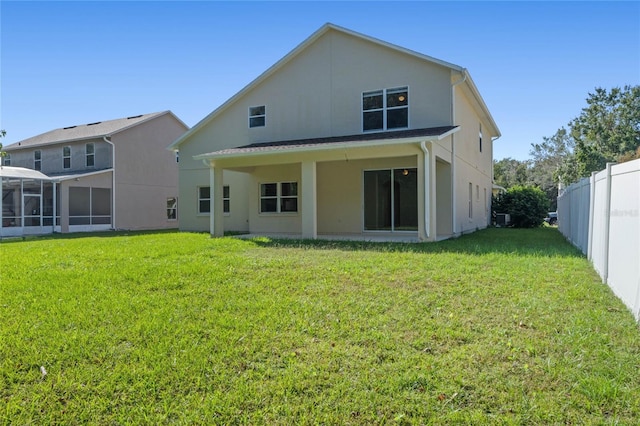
453, 151
113, 181
427, 185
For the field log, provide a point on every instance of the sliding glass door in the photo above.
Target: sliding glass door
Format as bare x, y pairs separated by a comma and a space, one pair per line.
391, 200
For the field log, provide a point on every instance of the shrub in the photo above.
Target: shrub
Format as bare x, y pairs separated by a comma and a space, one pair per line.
527, 206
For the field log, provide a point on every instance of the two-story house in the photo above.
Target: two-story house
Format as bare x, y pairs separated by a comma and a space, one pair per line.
346, 136
114, 174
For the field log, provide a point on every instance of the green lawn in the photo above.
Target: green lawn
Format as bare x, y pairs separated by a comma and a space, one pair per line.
501, 326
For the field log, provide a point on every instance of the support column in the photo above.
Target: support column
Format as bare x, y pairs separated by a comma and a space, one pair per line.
309, 200
216, 216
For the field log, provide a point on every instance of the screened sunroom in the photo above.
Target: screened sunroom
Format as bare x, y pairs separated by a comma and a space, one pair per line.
30, 202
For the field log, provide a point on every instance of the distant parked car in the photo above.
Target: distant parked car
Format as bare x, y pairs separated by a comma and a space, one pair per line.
552, 218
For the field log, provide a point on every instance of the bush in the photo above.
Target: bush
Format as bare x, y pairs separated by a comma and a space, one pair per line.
527, 206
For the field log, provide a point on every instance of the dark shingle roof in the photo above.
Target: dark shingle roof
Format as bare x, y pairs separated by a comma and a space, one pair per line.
82, 131
327, 141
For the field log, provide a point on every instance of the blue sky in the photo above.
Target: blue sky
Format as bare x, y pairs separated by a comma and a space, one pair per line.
68, 63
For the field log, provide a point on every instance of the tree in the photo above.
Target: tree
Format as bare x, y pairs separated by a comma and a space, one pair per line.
608, 129
552, 163
2, 153
509, 172
527, 206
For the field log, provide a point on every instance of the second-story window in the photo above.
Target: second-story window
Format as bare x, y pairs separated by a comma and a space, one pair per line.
90, 149
66, 157
257, 116
37, 160
480, 137
385, 109
7, 159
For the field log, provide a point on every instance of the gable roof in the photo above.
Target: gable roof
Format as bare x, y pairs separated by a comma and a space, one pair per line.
79, 132
317, 144
310, 40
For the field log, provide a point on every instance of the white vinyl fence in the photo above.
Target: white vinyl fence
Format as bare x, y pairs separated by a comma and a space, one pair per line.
601, 216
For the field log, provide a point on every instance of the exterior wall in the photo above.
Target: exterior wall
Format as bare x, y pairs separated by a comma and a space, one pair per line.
52, 158
471, 166
146, 174
317, 94
340, 197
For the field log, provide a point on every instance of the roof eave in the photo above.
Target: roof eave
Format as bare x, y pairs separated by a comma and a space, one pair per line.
325, 147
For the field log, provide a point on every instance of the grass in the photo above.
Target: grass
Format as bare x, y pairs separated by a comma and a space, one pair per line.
501, 326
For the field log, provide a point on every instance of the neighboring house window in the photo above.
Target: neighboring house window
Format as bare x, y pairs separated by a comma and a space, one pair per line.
279, 197
91, 158
7, 160
470, 200
257, 116
480, 137
226, 200
172, 208
204, 199
177, 157
385, 109
37, 160
66, 157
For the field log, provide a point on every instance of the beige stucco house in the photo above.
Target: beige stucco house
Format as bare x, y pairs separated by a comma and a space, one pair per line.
114, 174
346, 136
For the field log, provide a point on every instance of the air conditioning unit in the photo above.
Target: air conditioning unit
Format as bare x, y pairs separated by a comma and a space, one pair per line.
503, 219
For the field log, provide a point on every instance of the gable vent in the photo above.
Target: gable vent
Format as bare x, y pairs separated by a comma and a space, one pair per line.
93, 124
70, 127
135, 116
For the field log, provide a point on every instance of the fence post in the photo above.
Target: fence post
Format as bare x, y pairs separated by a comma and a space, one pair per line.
592, 206
607, 227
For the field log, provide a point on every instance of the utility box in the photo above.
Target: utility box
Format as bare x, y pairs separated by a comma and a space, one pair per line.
503, 219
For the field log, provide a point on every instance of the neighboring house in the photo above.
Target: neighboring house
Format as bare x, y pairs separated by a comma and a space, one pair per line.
114, 174
346, 136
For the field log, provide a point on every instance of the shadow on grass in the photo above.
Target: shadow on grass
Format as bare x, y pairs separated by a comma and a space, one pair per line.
544, 242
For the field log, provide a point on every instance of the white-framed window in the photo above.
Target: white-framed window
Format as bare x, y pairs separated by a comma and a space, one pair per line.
385, 109
257, 116
37, 160
90, 155
480, 137
470, 200
226, 199
7, 159
204, 200
280, 197
66, 157
172, 208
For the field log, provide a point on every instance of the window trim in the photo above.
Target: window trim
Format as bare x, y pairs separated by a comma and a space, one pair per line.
173, 208
226, 201
254, 116
66, 157
279, 198
37, 160
385, 109
91, 155
201, 199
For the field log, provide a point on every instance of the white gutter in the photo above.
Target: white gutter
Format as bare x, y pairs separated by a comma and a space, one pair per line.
113, 181
427, 185
454, 210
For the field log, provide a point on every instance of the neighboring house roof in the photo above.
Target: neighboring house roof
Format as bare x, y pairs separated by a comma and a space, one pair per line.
94, 130
359, 140
302, 46
60, 177
21, 172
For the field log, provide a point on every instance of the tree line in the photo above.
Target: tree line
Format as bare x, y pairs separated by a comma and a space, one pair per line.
607, 130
